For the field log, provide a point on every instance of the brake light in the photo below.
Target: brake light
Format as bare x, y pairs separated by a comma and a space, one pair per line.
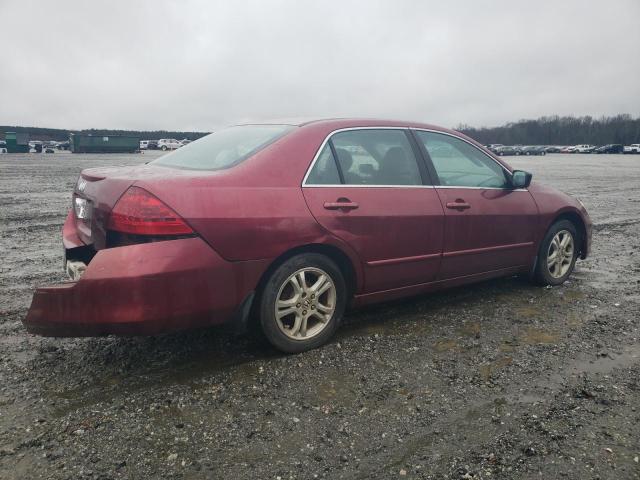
140, 213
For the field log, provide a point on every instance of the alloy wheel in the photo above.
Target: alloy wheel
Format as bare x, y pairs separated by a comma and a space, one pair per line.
560, 254
305, 303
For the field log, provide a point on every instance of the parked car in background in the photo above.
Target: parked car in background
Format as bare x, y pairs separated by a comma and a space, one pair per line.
568, 149
584, 148
494, 146
533, 150
144, 144
185, 141
3, 146
35, 146
633, 148
506, 150
261, 226
553, 149
611, 148
152, 145
168, 144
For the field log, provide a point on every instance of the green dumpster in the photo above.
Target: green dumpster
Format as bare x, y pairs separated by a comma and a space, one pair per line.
80, 143
17, 142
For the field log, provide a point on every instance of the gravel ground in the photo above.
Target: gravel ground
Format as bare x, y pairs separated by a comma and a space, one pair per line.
497, 380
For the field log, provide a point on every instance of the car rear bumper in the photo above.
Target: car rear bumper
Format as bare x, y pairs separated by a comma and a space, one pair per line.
141, 289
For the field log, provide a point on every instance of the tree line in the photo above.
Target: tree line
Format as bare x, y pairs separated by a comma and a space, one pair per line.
553, 130
556, 130
60, 135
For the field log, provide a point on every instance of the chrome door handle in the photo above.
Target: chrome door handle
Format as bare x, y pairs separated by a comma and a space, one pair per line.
341, 205
458, 205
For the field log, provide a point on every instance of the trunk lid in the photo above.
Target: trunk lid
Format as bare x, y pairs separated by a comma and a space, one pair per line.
98, 190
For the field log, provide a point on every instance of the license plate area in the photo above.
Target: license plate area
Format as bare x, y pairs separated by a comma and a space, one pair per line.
83, 209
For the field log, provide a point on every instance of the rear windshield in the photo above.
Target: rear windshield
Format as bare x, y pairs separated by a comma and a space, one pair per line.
224, 148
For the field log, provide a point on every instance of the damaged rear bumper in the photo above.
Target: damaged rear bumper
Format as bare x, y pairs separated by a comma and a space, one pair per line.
141, 289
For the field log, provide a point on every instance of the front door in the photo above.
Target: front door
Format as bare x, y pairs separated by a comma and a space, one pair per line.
367, 188
488, 225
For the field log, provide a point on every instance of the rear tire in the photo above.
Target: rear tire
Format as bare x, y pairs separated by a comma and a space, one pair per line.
302, 303
557, 254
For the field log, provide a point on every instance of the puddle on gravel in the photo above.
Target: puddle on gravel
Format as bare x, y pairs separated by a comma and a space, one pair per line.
573, 296
363, 325
447, 346
487, 370
238, 368
535, 336
335, 388
590, 364
574, 320
471, 329
507, 346
603, 365
528, 311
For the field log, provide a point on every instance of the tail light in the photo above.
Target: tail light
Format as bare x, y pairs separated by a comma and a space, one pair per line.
140, 213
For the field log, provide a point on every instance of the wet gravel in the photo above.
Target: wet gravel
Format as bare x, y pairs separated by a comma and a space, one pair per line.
498, 380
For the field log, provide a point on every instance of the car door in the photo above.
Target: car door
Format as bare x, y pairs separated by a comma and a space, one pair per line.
367, 187
488, 225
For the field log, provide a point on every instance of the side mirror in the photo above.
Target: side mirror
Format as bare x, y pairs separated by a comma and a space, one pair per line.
520, 179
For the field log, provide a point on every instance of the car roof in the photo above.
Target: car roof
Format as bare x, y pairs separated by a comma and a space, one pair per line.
347, 123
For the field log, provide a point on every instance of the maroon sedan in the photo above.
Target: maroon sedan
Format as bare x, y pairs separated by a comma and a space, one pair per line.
290, 224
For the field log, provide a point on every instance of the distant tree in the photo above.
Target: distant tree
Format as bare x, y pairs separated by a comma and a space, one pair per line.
551, 130
38, 133
555, 130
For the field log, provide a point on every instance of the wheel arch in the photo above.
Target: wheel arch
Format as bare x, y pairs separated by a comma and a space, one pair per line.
576, 219
342, 260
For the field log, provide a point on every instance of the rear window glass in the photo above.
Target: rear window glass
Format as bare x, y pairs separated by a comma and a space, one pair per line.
224, 148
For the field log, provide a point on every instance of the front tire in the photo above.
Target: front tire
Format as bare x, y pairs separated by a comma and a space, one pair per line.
557, 254
302, 303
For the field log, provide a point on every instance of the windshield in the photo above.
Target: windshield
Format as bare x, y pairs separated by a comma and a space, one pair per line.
224, 148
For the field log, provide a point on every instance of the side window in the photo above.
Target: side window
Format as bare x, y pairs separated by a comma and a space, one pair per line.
324, 171
460, 164
376, 157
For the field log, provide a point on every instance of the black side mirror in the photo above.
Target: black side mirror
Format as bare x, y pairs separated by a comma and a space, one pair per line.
520, 179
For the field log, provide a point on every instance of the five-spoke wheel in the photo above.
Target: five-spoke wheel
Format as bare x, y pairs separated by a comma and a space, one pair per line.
560, 254
302, 303
557, 254
306, 302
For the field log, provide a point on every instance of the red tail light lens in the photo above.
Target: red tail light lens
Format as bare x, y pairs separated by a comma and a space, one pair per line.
140, 213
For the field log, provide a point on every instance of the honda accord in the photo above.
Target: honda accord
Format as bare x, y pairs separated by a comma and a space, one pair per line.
290, 224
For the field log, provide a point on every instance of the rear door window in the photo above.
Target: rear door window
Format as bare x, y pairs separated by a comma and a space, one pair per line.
324, 171
376, 157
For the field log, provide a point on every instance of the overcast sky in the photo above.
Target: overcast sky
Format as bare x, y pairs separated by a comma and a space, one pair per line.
198, 65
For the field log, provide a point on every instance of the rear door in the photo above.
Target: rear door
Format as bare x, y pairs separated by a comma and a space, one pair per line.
488, 225
366, 187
